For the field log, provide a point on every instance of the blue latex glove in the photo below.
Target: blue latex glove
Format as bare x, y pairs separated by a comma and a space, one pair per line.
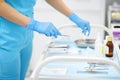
46, 28
84, 25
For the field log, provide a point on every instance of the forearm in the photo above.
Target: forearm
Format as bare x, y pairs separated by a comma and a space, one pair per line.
60, 6
13, 15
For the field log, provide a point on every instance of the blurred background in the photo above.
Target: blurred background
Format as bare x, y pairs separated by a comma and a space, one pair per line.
104, 12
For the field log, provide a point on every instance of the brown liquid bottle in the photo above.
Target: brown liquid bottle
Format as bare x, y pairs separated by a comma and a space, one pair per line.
110, 46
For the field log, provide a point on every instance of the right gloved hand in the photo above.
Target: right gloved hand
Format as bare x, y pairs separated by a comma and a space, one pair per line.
46, 28
84, 25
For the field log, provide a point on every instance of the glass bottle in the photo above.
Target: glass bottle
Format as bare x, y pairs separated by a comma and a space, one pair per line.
110, 47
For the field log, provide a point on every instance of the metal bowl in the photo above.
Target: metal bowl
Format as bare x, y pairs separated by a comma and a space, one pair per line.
84, 43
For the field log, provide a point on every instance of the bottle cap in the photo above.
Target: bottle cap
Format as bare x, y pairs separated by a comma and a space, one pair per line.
109, 38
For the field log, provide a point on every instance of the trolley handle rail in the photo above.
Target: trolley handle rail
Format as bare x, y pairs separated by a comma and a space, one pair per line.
92, 25
35, 74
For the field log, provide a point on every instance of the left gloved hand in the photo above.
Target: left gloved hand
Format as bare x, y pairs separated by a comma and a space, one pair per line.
84, 25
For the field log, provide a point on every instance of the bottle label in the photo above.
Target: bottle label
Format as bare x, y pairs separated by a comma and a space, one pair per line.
103, 49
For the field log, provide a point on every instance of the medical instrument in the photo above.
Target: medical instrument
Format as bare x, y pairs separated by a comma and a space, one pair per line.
84, 65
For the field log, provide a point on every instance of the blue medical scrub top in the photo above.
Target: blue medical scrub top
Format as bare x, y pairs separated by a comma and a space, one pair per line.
11, 34
25, 7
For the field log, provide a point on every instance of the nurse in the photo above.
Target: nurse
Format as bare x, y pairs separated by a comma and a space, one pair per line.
16, 34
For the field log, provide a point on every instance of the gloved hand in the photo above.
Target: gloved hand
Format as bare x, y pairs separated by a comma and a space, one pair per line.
46, 28
84, 25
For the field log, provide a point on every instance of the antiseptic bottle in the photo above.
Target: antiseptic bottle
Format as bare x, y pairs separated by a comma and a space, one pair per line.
110, 47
